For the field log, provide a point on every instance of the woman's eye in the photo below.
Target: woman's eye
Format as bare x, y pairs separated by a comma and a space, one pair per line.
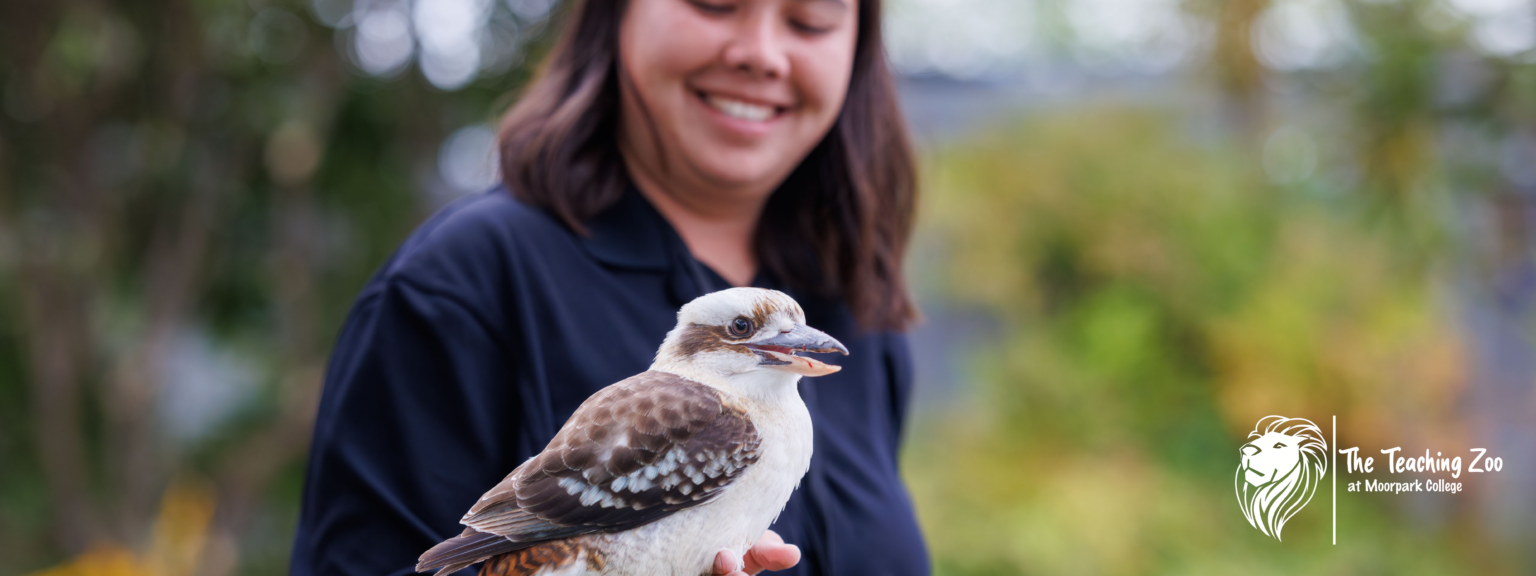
712, 8
804, 28
741, 327
816, 17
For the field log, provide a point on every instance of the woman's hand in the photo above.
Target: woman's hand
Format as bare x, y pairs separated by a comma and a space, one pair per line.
769, 553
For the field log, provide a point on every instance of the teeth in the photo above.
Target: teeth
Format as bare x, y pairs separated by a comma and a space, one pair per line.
739, 109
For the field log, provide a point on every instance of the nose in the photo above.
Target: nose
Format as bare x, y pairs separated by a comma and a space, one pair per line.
756, 48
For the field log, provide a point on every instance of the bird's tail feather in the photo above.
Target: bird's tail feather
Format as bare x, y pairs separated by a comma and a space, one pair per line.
468, 548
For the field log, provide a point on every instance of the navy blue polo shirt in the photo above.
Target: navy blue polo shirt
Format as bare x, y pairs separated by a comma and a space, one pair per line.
476, 341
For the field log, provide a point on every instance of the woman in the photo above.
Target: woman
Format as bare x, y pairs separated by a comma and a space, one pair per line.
670, 148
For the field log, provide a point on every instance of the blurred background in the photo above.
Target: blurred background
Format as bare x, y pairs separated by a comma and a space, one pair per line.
1145, 225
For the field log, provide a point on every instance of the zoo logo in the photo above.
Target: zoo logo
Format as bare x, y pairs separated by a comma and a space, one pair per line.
1282, 464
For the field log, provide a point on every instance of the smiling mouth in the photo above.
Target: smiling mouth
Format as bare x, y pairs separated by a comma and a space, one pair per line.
740, 109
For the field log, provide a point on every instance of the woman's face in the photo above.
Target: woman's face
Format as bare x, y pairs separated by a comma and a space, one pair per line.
734, 93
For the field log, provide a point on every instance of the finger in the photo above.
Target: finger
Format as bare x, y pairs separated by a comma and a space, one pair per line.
770, 537
725, 564
771, 556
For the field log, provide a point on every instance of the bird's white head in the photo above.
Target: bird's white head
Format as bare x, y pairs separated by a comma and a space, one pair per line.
744, 338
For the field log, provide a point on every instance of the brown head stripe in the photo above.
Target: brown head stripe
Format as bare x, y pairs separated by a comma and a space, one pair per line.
702, 338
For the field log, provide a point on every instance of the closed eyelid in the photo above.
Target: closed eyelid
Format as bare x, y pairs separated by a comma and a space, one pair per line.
837, 3
819, 15
822, 8
713, 6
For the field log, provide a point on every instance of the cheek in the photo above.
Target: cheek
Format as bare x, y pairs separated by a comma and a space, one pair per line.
661, 42
823, 82
821, 71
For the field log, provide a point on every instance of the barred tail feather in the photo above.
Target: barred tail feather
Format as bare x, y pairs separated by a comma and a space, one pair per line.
465, 549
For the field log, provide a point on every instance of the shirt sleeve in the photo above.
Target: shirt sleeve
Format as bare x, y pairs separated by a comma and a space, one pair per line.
415, 422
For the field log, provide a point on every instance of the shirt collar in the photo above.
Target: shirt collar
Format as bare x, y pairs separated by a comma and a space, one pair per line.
630, 234
633, 235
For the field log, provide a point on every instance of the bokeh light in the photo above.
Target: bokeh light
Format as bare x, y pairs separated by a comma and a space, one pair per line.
1303, 34
467, 159
383, 44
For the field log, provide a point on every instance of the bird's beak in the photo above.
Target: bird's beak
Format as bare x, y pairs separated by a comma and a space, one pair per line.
779, 351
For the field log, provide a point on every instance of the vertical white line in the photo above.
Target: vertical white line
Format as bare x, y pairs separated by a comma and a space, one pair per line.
1335, 466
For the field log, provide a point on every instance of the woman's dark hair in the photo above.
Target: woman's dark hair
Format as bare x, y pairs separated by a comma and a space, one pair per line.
840, 221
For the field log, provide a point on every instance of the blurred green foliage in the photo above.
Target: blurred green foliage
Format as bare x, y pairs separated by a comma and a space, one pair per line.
1155, 296
1156, 287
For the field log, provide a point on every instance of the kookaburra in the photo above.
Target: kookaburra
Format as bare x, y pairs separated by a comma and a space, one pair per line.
654, 475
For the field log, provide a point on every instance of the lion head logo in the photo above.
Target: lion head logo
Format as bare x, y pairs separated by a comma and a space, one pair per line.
1282, 464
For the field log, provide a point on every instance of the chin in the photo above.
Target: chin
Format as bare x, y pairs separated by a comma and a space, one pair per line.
747, 170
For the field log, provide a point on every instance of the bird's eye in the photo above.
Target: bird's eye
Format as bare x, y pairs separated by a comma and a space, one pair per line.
741, 327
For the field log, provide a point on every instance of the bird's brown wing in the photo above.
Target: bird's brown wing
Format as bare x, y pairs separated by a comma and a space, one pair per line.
633, 453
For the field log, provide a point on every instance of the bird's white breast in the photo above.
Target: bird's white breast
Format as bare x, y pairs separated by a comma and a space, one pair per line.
685, 543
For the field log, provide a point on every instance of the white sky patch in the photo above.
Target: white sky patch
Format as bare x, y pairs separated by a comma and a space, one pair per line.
1499, 27
382, 44
963, 38
450, 31
1145, 36
1303, 34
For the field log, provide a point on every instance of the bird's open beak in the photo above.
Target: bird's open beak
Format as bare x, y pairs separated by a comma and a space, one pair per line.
779, 351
